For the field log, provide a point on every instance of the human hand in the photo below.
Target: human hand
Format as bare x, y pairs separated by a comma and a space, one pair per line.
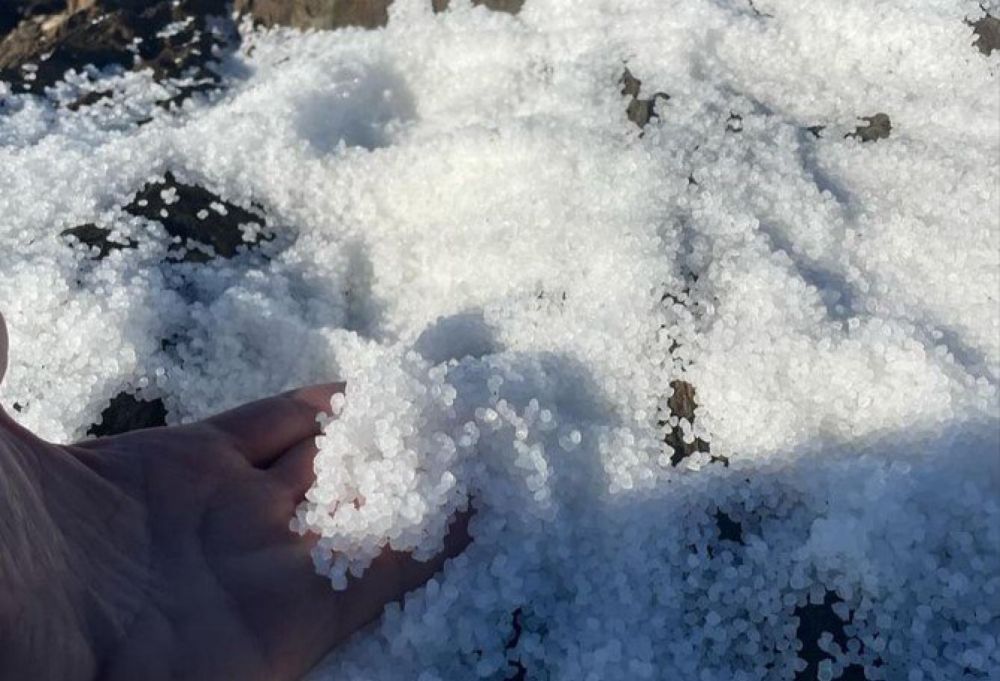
166, 553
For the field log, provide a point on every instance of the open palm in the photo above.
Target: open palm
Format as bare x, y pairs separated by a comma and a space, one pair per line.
178, 563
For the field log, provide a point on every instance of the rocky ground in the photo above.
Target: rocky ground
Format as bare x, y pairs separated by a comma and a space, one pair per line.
179, 42
45, 42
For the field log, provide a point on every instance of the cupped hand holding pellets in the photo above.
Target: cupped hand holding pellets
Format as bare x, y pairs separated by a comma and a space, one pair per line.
166, 553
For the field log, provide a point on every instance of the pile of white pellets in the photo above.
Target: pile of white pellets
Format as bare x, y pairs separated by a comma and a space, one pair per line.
693, 302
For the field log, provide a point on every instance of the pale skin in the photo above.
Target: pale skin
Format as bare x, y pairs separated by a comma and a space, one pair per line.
166, 554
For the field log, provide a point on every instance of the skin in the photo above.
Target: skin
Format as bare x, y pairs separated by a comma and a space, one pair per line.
166, 553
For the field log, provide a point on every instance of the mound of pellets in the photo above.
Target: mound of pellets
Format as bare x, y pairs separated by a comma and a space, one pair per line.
690, 305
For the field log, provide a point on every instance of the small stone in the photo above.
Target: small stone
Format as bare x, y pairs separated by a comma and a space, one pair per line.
316, 14
987, 32
878, 127
88, 99
92, 236
639, 111
630, 84
185, 221
682, 405
509, 6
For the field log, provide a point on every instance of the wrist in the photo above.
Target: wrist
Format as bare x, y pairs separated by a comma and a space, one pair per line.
60, 561
38, 633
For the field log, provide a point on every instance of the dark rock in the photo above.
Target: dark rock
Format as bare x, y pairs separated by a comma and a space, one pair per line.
724, 460
987, 32
92, 236
40, 50
182, 94
191, 213
729, 529
878, 127
682, 405
177, 40
517, 671
126, 413
630, 84
852, 672
639, 111
319, 14
89, 99
816, 130
13, 12
184, 51
814, 620
509, 6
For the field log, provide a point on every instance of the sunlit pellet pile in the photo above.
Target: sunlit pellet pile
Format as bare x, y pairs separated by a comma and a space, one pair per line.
695, 302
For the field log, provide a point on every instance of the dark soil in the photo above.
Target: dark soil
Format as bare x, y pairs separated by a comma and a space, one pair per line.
987, 32
94, 237
49, 39
13, 12
877, 128
201, 224
178, 40
517, 671
729, 529
509, 6
814, 620
682, 405
319, 14
126, 413
199, 216
639, 110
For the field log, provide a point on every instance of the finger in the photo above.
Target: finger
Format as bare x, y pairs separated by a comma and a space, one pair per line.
262, 430
294, 469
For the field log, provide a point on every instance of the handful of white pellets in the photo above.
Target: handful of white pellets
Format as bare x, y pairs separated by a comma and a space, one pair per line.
410, 443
